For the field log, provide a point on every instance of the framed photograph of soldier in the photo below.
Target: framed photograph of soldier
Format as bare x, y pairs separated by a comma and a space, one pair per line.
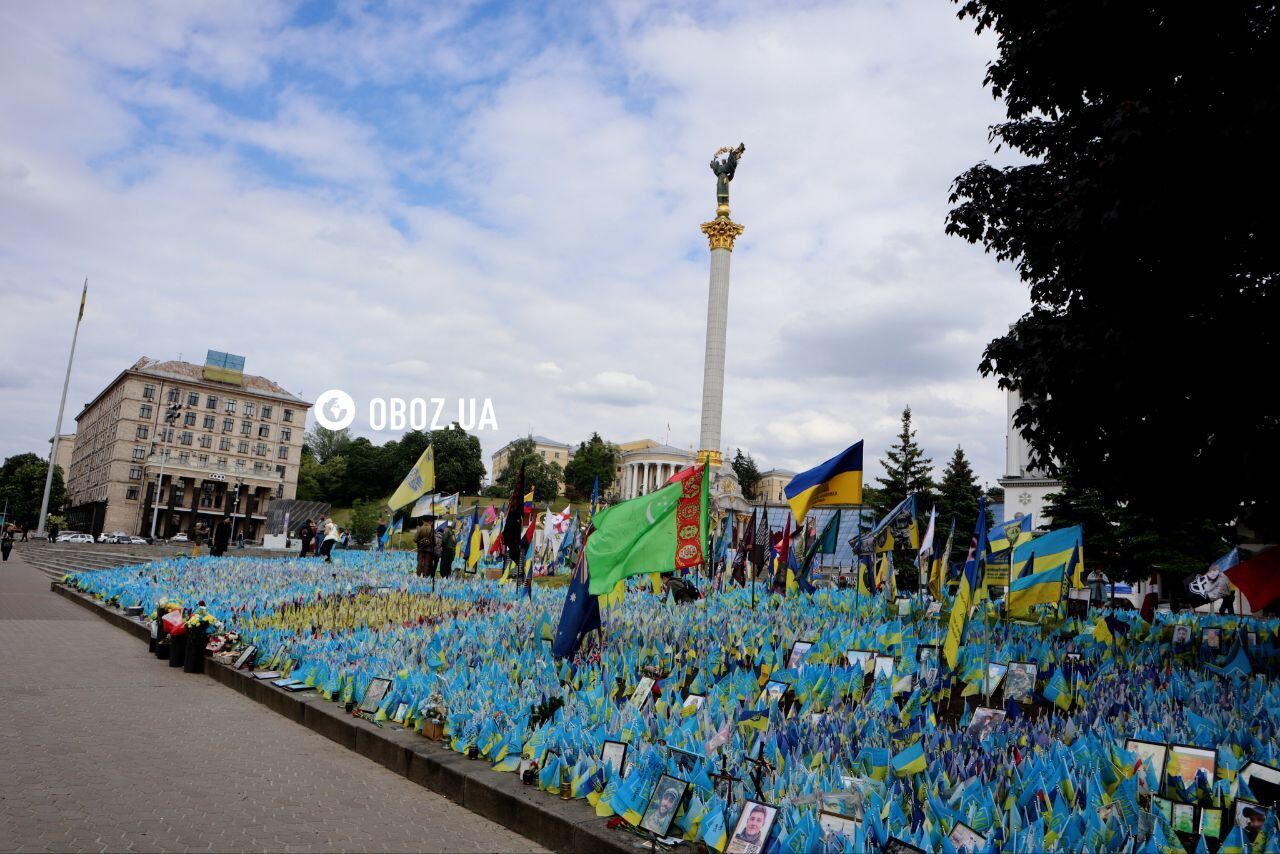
1184, 818
1212, 637
904, 607
1181, 637
643, 692
685, 760
694, 701
962, 836
900, 846
1151, 754
859, 658
995, 674
663, 803
374, 693
614, 755
1078, 602
752, 830
883, 666
402, 709
773, 689
927, 658
834, 822
985, 721
1193, 761
1250, 817
798, 650
1020, 681
245, 657
1264, 781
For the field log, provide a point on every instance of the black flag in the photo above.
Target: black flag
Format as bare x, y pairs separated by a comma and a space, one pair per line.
513, 528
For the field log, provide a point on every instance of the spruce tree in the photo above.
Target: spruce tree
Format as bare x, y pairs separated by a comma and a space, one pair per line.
957, 499
906, 470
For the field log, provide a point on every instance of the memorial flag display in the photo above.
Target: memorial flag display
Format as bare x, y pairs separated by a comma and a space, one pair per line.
420, 480
836, 481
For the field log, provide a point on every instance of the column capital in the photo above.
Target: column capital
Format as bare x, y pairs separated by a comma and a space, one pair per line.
722, 231
713, 459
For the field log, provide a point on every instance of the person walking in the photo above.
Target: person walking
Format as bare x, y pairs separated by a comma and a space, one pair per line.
6, 541
306, 533
330, 539
382, 532
428, 547
221, 537
448, 546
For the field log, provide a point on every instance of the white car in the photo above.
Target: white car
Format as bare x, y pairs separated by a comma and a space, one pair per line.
77, 538
137, 541
179, 538
66, 536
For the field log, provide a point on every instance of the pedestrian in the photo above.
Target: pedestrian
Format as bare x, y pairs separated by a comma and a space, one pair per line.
322, 525
52, 531
448, 545
382, 532
6, 541
343, 537
221, 537
428, 547
24, 534
330, 540
306, 533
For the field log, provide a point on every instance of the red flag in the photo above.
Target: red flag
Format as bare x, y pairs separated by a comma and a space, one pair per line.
1148, 609
1258, 578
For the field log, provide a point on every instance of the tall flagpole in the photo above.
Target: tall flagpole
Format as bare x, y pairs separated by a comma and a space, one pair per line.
57, 428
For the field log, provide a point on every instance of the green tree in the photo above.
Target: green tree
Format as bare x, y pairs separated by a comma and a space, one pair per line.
326, 444
544, 477
364, 520
1133, 184
594, 458
748, 474
22, 485
906, 470
958, 494
309, 477
458, 460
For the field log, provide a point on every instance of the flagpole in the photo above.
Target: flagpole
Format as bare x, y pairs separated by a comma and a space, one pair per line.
57, 427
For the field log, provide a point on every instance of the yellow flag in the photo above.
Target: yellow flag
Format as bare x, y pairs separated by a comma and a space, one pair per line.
420, 480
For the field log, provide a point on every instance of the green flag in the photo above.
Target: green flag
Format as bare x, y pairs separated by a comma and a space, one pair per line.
659, 532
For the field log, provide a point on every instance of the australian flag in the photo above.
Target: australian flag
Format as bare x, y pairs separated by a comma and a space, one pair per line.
581, 612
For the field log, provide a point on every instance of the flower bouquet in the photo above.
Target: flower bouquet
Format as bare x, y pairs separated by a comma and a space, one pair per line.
199, 626
161, 644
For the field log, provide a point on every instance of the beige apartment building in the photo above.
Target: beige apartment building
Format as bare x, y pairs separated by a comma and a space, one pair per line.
549, 449
772, 483
234, 445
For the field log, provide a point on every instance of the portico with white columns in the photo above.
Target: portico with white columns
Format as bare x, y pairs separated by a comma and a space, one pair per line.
647, 468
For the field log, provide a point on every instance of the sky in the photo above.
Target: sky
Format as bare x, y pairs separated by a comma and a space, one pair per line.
492, 200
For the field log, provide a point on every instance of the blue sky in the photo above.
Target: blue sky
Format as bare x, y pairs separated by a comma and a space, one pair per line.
502, 200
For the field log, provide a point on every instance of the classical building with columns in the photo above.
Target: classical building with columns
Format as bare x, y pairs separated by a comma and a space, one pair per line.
645, 465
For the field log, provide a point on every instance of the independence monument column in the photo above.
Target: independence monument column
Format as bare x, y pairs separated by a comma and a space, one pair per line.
720, 232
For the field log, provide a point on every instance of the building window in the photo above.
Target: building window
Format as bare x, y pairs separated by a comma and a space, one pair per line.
231, 405
135, 472
209, 421
148, 392
139, 453
285, 434
249, 408
228, 424
260, 449
189, 420
193, 398
246, 428
175, 394
242, 448
283, 453
142, 431
266, 410
264, 431
288, 415
144, 411
206, 441
185, 437
184, 457
224, 444
211, 402
131, 494
203, 459
166, 434
222, 462
257, 466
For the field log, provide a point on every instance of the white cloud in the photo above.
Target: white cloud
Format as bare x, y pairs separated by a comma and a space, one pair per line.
386, 202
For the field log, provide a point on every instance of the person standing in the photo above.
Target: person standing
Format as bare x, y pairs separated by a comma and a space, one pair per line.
221, 537
428, 547
6, 541
306, 533
382, 532
448, 545
330, 539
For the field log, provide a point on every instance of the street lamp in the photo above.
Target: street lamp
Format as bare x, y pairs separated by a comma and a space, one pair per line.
236, 509
170, 418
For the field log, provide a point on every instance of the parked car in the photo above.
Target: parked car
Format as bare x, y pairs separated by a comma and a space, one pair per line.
139, 541
78, 538
65, 536
179, 538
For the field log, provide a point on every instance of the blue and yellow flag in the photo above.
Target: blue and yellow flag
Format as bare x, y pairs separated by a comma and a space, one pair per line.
1036, 588
909, 761
970, 581
1009, 534
1051, 550
837, 481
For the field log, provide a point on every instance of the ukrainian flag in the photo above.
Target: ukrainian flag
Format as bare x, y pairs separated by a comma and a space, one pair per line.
1052, 550
970, 581
837, 481
753, 720
909, 761
1038, 588
1009, 534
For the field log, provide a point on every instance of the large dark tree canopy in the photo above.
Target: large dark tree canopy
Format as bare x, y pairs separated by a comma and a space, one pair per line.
1147, 225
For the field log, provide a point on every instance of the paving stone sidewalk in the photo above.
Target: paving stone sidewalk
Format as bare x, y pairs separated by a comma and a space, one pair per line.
105, 748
